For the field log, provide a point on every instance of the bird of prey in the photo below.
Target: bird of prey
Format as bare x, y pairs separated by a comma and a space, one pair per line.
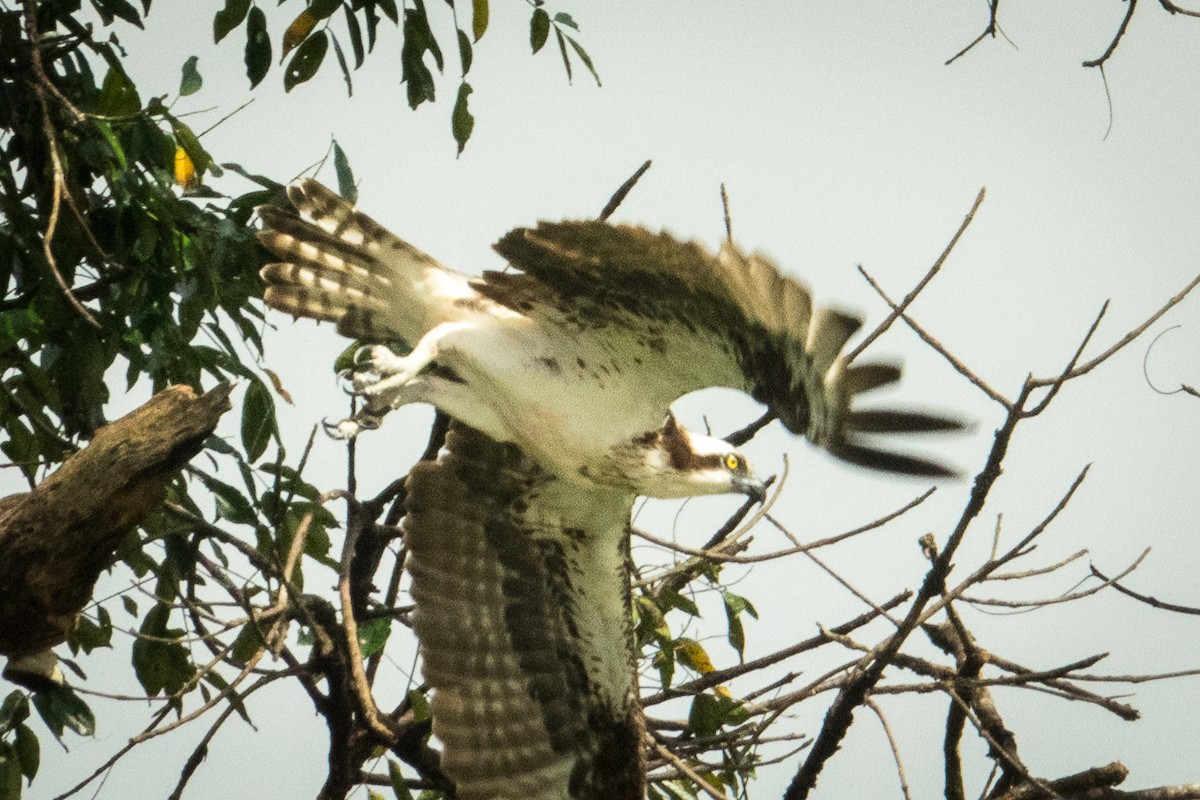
559, 376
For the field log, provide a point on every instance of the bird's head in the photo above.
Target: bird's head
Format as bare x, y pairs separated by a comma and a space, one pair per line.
680, 463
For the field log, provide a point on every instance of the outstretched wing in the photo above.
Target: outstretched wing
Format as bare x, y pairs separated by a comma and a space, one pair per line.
757, 328
522, 613
341, 266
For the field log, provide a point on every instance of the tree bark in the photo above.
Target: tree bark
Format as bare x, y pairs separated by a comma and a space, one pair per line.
56, 540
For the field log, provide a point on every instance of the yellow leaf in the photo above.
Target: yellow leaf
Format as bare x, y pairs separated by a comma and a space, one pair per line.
692, 654
185, 170
296, 33
278, 384
480, 21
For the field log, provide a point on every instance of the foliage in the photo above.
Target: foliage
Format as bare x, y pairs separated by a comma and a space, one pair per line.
120, 259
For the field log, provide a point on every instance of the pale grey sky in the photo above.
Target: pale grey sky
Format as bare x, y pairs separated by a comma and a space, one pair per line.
843, 140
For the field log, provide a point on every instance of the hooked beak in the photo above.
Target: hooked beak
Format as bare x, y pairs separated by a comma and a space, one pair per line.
752, 487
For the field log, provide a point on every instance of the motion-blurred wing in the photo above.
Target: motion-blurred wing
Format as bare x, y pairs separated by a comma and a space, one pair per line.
757, 328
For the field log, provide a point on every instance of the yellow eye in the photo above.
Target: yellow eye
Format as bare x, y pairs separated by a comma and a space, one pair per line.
732, 462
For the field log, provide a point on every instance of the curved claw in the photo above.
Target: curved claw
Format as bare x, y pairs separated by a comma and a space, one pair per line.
346, 382
334, 429
364, 355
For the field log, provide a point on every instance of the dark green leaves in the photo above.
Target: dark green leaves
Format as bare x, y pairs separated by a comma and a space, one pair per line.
464, 52
159, 660
539, 29
735, 606
28, 750
307, 60
191, 81
258, 46
229, 18
258, 420
21, 756
462, 123
709, 713
418, 40
117, 9
345, 176
373, 635
118, 95
61, 709
539, 32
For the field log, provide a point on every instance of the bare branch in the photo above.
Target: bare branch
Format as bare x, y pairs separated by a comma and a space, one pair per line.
887, 730
1088, 366
898, 310
959, 366
1143, 598
1112, 46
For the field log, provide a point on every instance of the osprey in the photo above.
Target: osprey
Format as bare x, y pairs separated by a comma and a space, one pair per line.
559, 378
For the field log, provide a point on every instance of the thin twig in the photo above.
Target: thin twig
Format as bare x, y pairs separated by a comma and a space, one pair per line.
898, 310
887, 730
959, 366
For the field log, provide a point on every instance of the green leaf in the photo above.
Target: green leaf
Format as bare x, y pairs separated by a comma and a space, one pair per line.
585, 58
90, 635
705, 717
60, 708
323, 8
14, 710
418, 40
246, 644
229, 18
130, 605
10, 773
258, 420
389, 8
29, 751
399, 788
562, 48
117, 9
461, 122
160, 662
539, 29
341, 58
191, 81
258, 46
563, 18
479, 19
307, 60
356, 41
345, 175
735, 606
373, 635
420, 705
465, 55
118, 95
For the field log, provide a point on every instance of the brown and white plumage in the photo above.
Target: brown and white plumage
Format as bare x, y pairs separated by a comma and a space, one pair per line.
561, 376
522, 612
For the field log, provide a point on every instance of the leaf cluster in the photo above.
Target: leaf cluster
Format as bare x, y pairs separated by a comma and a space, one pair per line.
351, 28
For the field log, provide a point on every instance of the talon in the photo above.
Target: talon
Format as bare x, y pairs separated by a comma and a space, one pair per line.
361, 381
364, 355
337, 430
346, 379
